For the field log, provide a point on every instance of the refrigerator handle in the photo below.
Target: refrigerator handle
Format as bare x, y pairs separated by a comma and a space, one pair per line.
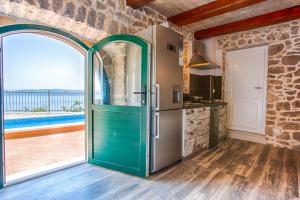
157, 125
157, 96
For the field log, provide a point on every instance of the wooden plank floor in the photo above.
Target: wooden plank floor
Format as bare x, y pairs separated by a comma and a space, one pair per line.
235, 170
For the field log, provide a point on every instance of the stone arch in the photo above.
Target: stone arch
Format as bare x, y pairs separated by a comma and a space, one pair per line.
10, 29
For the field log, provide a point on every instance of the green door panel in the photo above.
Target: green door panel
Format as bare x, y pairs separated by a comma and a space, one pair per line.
111, 136
118, 134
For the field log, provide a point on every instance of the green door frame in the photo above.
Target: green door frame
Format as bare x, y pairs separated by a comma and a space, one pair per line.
19, 28
143, 171
31, 28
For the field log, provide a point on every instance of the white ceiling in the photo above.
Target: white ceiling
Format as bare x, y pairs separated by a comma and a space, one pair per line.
174, 7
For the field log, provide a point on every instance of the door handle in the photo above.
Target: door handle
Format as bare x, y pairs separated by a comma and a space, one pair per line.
258, 88
157, 125
139, 92
143, 95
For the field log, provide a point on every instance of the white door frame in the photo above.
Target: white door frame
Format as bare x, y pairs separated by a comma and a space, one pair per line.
228, 82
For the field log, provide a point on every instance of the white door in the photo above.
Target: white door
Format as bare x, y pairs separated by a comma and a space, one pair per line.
246, 89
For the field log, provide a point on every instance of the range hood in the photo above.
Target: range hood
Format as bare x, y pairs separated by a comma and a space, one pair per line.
199, 60
202, 62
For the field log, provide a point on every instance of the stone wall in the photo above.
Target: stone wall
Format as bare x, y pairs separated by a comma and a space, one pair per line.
91, 19
283, 93
88, 18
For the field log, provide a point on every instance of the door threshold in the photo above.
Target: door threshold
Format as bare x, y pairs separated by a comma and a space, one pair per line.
44, 173
247, 136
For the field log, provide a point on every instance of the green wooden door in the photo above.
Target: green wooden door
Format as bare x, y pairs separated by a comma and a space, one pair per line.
118, 112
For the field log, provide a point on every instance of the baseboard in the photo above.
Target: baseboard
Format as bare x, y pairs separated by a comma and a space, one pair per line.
242, 135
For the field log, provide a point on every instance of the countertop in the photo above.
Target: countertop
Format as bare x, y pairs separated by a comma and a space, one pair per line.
190, 105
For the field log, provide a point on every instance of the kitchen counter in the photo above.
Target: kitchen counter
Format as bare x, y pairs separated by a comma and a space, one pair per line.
189, 105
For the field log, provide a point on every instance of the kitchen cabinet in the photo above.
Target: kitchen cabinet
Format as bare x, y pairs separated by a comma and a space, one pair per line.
217, 128
222, 123
196, 127
195, 130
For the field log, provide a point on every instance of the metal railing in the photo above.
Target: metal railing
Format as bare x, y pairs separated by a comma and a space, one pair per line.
43, 100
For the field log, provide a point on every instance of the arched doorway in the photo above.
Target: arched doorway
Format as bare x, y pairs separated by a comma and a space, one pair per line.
34, 102
118, 145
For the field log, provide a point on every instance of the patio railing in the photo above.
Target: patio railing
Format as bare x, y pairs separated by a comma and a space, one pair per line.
43, 100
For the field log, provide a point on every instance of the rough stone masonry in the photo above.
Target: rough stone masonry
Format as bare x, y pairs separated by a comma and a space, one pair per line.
92, 19
283, 93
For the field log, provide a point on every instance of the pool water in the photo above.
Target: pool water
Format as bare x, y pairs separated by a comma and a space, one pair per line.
42, 121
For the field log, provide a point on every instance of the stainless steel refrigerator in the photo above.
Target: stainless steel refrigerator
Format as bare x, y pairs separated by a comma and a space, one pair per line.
167, 98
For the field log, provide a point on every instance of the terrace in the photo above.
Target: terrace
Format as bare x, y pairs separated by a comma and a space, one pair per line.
44, 130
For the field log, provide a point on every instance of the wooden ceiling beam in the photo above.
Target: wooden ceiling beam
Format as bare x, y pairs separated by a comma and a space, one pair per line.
209, 10
251, 23
135, 4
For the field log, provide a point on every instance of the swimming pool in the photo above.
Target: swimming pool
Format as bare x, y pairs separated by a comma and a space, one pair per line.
42, 121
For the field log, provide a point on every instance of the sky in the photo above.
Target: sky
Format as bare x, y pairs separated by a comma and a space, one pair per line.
32, 61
